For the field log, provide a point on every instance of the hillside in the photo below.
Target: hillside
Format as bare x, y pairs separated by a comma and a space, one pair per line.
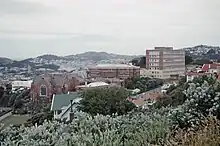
71, 62
4, 61
98, 56
50, 57
204, 51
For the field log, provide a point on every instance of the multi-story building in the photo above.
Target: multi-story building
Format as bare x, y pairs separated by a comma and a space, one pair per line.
119, 71
165, 62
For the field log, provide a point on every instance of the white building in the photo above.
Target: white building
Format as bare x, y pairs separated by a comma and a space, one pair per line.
21, 84
92, 85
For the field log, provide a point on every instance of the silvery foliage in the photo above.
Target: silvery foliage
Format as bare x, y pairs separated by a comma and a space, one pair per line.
1, 126
201, 101
129, 130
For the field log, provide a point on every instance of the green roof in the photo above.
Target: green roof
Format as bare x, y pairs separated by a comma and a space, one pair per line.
61, 100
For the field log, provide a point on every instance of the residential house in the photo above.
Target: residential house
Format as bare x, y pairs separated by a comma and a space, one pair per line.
44, 86
21, 84
64, 106
190, 76
141, 100
211, 68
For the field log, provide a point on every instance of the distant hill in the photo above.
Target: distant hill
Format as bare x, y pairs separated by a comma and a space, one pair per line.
204, 52
51, 57
98, 56
78, 60
5, 61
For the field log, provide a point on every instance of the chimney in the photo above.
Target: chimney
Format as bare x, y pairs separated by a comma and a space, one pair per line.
71, 106
71, 111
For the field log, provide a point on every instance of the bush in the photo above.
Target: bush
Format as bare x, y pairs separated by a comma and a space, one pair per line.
130, 130
207, 135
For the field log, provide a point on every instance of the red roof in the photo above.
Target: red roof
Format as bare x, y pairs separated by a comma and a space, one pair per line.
143, 98
206, 67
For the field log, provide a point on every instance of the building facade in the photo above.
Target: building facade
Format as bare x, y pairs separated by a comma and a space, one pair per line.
119, 71
45, 86
165, 62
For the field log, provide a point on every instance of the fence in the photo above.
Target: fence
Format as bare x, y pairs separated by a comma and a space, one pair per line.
5, 114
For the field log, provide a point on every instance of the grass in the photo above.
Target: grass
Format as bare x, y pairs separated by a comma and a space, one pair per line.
15, 120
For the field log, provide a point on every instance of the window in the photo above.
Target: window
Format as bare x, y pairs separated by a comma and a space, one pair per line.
59, 112
43, 90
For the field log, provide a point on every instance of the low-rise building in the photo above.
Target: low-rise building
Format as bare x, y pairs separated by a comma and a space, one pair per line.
44, 86
92, 85
211, 68
21, 84
143, 99
64, 106
119, 71
190, 76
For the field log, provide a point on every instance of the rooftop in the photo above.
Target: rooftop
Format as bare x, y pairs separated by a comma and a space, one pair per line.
22, 83
61, 100
95, 84
143, 98
116, 66
206, 67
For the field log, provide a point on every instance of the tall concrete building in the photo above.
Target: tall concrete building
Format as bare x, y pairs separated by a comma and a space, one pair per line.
165, 62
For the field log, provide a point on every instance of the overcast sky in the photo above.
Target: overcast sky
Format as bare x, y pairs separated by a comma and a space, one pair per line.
33, 27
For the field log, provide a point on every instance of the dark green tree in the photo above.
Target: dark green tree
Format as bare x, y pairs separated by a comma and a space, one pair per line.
188, 60
105, 101
202, 61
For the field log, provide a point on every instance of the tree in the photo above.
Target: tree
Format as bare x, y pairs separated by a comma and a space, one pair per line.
105, 101
143, 83
202, 61
139, 61
188, 60
1, 91
143, 62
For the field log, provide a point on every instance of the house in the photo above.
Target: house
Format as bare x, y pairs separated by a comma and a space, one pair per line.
92, 85
64, 106
141, 100
111, 81
190, 76
21, 84
44, 86
211, 68
165, 87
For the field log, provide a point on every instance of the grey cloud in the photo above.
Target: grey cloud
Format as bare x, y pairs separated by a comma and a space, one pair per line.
21, 7
75, 36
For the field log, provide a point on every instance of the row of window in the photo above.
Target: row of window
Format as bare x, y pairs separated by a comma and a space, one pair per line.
156, 76
154, 64
154, 53
154, 60
154, 68
154, 56
155, 72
